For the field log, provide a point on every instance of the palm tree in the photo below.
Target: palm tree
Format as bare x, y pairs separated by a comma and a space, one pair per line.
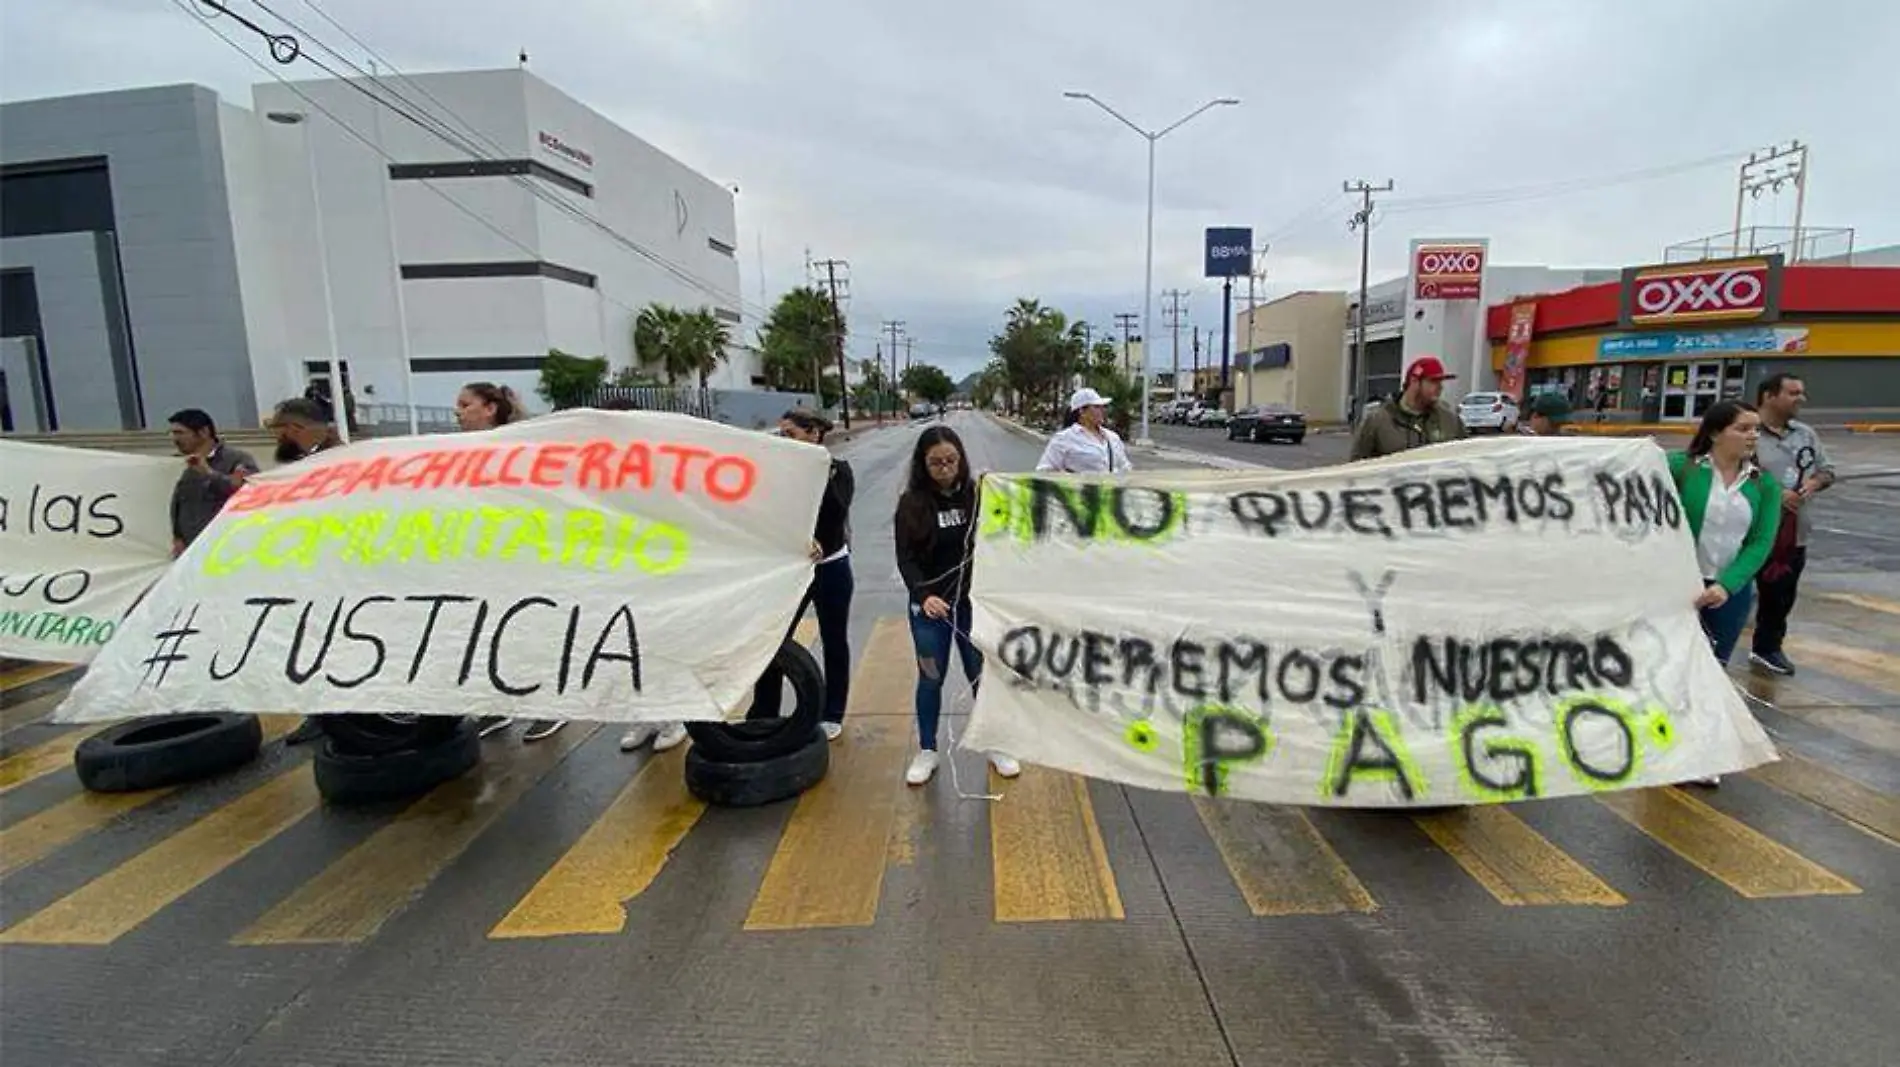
680, 343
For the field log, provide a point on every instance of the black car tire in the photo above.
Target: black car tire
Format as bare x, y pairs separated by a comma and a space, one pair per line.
754, 782
347, 777
371, 735
170, 750
766, 739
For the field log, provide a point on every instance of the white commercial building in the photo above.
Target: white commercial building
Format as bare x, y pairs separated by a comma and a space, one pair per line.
160, 248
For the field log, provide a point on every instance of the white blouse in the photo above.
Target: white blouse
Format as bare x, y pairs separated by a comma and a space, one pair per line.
1077, 451
1725, 522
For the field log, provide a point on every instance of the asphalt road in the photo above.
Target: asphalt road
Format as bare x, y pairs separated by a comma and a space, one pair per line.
570, 905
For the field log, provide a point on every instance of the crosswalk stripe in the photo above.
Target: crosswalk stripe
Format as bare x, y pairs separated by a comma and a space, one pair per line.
1869, 728
1724, 848
1865, 807
1514, 863
110, 906
1280, 862
1865, 601
1877, 669
357, 894
21, 677
828, 869
40, 835
619, 856
40, 760
1046, 851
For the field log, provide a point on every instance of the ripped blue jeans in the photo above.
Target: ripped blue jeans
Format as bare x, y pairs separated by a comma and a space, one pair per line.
933, 638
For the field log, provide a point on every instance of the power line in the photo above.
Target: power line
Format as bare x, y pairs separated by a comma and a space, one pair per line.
1512, 194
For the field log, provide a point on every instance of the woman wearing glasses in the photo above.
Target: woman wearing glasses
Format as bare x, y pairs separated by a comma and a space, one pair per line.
935, 532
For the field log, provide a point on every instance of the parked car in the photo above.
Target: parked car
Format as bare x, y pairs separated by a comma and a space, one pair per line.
1210, 417
1488, 411
1268, 422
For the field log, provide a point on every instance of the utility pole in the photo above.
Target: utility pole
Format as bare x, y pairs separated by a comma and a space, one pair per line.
1172, 319
1257, 272
1126, 320
907, 357
1361, 221
1762, 171
1226, 326
895, 326
1197, 365
836, 287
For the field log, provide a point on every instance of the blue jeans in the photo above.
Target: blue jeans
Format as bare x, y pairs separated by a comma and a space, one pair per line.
1724, 624
830, 593
933, 638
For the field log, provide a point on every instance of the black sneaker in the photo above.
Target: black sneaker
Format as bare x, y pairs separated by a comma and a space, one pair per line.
305, 731
542, 729
1772, 662
489, 724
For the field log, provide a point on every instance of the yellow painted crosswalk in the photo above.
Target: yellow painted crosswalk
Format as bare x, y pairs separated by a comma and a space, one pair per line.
828, 863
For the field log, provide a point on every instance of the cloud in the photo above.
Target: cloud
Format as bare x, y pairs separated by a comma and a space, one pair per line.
930, 145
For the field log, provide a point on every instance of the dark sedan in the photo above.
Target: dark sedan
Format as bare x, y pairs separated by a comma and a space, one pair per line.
1268, 422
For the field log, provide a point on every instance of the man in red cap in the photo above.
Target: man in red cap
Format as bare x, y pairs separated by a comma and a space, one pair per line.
1412, 420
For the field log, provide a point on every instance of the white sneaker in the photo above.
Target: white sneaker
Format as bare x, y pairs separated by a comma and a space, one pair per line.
834, 730
923, 766
636, 735
670, 736
1006, 766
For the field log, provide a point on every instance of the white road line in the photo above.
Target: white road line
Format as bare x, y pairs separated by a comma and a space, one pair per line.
1857, 533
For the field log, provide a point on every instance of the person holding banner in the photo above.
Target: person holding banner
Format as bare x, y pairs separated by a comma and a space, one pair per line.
484, 406
936, 537
1413, 419
1085, 444
213, 471
1733, 507
303, 429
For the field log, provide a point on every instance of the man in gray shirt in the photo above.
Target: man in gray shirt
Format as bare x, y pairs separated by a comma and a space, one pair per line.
1790, 450
213, 471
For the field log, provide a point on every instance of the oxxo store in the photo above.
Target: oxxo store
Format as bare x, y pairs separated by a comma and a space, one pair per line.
1669, 340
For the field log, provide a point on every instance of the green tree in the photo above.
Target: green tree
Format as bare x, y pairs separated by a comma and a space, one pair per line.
798, 345
569, 381
679, 343
1037, 349
929, 383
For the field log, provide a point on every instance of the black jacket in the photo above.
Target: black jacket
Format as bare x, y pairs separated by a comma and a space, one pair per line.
834, 512
935, 540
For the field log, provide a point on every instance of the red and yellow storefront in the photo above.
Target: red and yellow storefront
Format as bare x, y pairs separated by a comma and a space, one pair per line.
1667, 341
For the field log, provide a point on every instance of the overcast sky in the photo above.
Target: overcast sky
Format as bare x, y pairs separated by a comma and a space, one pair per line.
930, 145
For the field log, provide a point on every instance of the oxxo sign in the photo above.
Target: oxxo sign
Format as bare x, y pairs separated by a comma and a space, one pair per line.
1229, 252
1735, 289
1448, 271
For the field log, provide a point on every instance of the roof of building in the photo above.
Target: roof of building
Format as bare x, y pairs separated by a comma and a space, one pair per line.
1806, 290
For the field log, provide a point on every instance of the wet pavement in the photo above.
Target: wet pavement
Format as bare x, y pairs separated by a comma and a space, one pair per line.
572, 905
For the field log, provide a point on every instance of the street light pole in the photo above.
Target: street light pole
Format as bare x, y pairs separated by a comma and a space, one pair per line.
339, 411
1148, 269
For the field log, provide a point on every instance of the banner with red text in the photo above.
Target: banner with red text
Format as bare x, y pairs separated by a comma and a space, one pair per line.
1473, 622
82, 534
597, 565
1517, 349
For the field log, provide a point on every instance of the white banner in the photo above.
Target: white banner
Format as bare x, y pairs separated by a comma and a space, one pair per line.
587, 565
82, 534
1476, 622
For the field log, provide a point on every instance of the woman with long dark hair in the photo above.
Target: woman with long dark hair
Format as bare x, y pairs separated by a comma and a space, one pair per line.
935, 532
1734, 509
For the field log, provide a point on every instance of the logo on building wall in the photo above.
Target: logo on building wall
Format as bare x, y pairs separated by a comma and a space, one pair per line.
1447, 271
564, 150
1734, 289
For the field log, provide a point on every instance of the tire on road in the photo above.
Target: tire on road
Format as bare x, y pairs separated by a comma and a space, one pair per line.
766, 739
754, 782
347, 777
370, 735
170, 750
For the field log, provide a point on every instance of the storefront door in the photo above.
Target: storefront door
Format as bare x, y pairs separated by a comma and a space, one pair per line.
1690, 389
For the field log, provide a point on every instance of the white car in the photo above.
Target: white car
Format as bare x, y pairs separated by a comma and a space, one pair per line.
1488, 411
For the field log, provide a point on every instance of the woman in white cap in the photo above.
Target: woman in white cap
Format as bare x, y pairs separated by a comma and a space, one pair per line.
1085, 445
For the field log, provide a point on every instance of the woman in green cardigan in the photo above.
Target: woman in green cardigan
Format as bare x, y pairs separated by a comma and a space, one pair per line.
1734, 508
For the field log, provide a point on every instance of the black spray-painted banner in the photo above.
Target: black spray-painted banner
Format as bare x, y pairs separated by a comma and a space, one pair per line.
82, 535
1472, 623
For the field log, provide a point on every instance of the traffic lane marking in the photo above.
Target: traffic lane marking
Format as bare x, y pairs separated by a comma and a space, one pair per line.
40, 835
1726, 849
1517, 865
21, 677
1856, 723
1047, 857
39, 760
1280, 862
1865, 601
828, 869
112, 905
1877, 669
1860, 805
619, 856
357, 894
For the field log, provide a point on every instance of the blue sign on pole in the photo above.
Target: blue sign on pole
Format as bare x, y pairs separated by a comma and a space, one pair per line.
1229, 251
